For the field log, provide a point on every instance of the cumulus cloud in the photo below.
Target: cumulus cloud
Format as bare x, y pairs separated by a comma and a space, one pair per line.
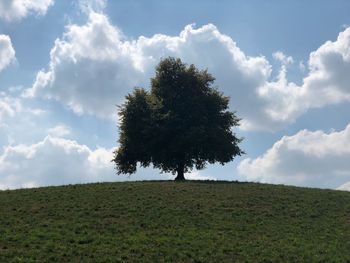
14, 10
326, 83
328, 80
307, 158
60, 161
7, 53
280, 56
93, 66
54, 161
90, 70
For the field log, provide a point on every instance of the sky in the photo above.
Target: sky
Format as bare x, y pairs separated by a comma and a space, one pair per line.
65, 65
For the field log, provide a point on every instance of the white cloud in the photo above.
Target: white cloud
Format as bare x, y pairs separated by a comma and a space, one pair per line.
54, 161
90, 70
14, 10
307, 158
344, 187
196, 175
329, 78
7, 53
59, 161
281, 57
59, 130
326, 83
94, 66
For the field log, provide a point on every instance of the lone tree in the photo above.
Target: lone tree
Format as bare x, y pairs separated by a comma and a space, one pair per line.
181, 123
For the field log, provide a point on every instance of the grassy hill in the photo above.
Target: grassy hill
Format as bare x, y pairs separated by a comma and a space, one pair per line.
174, 222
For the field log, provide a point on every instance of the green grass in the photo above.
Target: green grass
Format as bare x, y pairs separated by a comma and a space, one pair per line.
174, 222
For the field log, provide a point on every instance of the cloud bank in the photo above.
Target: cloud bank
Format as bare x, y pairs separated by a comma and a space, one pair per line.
54, 161
61, 161
15, 10
315, 159
93, 66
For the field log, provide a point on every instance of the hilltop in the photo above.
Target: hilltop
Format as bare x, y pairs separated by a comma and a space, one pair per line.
174, 222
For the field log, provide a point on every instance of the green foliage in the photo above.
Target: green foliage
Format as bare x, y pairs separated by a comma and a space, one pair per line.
182, 123
174, 222
135, 132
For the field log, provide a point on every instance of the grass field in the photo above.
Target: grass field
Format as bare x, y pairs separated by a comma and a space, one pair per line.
174, 222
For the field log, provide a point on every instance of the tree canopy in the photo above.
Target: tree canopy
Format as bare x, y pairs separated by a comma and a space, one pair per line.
182, 123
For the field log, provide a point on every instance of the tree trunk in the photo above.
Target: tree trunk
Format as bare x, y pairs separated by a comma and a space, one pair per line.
180, 173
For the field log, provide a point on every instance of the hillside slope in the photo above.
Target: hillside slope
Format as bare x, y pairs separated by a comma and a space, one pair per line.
174, 222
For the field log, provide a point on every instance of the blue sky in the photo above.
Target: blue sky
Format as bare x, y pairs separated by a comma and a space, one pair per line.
64, 65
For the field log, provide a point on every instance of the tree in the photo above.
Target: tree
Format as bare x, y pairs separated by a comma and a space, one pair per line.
181, 123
